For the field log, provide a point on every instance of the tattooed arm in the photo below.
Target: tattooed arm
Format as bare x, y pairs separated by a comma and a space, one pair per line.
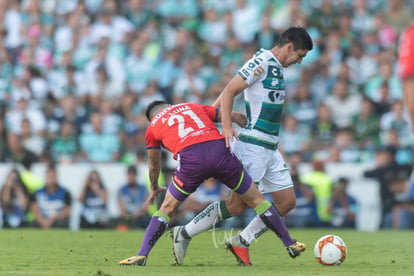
154, 165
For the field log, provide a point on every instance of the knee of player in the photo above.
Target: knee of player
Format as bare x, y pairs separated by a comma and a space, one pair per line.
236, 208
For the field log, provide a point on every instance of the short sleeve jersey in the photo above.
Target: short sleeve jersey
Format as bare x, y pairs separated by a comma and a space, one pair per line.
264, 99
406, 53
182, 125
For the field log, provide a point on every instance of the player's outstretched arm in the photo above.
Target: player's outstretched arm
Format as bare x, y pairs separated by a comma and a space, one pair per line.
233, 88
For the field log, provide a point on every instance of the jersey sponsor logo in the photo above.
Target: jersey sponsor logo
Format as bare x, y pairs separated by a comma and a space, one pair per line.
205, 213
245, 72
261, 232
250, 67
158, 234
258, 71
275, 95
274, 79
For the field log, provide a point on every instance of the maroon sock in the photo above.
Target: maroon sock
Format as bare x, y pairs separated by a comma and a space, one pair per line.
274, 222
155, 229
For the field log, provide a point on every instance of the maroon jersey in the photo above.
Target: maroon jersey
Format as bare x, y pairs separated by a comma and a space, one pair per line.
182, 125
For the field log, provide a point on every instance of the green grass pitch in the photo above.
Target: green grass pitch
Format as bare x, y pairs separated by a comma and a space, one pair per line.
60, 252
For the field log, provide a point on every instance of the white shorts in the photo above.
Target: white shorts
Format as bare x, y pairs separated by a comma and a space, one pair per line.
265, 166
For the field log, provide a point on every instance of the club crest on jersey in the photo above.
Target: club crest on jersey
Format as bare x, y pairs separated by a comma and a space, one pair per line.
258, 71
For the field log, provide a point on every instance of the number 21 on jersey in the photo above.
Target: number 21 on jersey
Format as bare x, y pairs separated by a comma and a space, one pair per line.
179, 118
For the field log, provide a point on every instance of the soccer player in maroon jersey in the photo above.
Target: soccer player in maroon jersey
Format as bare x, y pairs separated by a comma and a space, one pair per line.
189, 132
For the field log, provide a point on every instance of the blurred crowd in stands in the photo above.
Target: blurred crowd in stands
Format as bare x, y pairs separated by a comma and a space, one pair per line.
76, 75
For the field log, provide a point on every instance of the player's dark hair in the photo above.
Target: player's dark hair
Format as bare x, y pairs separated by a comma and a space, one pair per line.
151, 106
298, 36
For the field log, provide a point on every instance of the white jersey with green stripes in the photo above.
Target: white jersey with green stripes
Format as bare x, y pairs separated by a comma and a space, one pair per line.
264, 99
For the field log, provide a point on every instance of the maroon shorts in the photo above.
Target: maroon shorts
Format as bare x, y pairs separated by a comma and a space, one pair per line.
209, 159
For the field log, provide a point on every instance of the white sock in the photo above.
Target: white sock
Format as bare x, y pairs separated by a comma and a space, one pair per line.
255, 229
204, 220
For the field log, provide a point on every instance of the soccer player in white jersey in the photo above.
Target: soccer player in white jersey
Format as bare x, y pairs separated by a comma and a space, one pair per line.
261, 80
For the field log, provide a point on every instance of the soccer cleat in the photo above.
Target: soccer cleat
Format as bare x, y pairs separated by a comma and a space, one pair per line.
134, 260
240, 250
180, 244
295, 249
